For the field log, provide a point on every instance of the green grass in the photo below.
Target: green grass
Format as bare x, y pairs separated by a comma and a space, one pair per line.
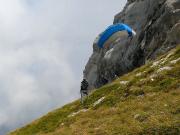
141, 107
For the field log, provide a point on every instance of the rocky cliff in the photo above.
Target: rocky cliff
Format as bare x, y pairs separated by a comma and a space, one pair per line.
157, 23
142, 102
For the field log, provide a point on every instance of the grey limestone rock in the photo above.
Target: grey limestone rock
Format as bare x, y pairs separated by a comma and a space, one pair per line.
157, 23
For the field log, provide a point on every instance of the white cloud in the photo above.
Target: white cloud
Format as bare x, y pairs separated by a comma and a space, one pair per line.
10, 10
44, 45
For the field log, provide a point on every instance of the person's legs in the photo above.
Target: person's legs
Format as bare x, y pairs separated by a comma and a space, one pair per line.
85, 93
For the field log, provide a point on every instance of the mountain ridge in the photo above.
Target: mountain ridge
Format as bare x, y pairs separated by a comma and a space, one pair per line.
144, 101
157, 24
136, 91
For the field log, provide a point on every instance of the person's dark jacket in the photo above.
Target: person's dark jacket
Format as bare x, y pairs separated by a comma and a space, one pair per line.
84, 85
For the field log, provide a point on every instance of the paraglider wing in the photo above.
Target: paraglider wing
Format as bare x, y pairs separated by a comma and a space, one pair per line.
112, 30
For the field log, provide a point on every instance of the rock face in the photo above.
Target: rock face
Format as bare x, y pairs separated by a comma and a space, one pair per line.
157, 23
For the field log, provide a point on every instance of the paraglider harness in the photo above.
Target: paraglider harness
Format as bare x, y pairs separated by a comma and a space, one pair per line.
84, 89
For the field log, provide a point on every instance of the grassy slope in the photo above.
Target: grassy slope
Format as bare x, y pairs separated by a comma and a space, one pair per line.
148, 103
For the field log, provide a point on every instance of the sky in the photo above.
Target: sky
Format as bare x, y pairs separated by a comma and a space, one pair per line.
44, 46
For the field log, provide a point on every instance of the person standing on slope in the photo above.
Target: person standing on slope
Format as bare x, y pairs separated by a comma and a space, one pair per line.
84, 89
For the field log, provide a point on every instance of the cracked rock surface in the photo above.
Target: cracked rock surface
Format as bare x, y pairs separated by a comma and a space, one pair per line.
157, 23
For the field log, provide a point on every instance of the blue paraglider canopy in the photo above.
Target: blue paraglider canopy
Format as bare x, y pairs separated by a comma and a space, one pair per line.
112, 30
